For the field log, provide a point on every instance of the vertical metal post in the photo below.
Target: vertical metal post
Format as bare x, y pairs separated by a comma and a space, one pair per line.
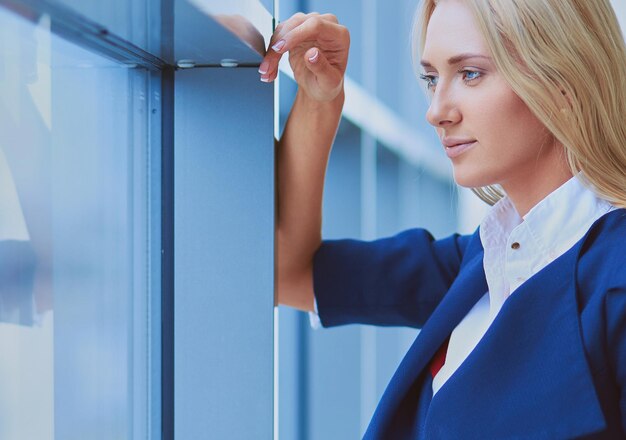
167, 224
368, 208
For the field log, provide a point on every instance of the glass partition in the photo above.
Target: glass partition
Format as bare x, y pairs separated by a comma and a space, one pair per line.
76, 265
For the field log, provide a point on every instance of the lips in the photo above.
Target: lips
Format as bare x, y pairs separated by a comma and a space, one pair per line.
449, 142
457, 149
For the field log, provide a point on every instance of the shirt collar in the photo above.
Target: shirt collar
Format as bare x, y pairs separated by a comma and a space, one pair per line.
498, 224
562, 218
557, 221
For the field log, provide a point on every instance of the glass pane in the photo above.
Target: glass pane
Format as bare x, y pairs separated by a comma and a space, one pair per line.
75, 287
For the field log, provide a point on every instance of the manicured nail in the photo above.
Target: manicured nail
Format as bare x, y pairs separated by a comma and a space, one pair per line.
263, 67
313, 58
278, 46
265, 79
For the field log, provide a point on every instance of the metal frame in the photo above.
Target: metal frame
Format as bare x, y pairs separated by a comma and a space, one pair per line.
167, 254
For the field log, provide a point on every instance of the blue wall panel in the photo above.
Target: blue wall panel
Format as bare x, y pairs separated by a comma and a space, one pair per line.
224, 226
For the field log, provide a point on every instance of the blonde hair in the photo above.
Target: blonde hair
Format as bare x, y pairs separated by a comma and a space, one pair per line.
566, 59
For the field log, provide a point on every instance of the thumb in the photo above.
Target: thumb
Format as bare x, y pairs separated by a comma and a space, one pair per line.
327, 76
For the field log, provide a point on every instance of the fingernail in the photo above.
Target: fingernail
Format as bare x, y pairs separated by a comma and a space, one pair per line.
313, 58
263, 67
279, 45
265, 79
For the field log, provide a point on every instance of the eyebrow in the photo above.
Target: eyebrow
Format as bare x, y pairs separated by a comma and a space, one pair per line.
456, 59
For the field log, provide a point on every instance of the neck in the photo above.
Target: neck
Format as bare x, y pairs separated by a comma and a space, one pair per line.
528, 191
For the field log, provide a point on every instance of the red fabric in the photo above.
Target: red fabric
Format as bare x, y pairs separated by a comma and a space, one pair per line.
439, 358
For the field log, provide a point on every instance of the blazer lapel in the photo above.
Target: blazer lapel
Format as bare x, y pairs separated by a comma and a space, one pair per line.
469, 286
528, 377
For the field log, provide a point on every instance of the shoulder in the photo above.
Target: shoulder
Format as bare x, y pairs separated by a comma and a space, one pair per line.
602, 254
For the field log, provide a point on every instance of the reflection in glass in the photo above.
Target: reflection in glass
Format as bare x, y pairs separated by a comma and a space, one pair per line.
136, 21
247, 19
16, 254
73, 240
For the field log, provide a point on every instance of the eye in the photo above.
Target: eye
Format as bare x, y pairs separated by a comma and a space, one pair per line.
431, 80
470, 75
467, 75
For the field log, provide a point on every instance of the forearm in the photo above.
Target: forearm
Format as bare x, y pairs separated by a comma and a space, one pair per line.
303, 153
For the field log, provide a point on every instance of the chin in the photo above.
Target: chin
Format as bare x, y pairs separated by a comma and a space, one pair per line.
471, 177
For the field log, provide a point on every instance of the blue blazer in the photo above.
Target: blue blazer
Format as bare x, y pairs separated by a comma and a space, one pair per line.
551, 366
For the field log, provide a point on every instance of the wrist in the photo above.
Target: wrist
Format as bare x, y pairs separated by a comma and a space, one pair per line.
311, 104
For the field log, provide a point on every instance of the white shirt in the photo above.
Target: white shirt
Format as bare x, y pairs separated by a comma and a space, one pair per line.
515, 250
314, 317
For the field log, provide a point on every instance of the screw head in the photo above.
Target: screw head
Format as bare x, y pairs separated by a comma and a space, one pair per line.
186, 64
227, 62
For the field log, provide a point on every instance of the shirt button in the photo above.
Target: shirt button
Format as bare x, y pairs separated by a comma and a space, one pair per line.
515, 245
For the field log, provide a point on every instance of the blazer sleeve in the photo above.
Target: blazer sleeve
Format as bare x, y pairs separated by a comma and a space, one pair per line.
394, 281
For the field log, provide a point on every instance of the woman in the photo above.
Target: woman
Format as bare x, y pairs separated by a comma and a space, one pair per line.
523, 322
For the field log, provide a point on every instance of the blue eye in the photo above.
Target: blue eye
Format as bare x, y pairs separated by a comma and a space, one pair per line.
468, 76
430, 80
470, 72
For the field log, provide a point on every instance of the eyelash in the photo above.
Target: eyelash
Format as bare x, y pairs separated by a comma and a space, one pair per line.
429, 78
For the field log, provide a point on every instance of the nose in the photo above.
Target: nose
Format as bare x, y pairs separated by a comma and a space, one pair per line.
443, 110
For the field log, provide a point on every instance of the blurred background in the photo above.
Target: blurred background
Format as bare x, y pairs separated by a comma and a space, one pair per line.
137, 210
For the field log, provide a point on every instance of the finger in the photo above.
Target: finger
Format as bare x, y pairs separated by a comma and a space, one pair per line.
313, 29
330, 17
327, 76
272, 58
292, 22
334, 33
269, 66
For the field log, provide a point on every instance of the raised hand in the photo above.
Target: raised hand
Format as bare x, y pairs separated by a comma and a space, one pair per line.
318, 54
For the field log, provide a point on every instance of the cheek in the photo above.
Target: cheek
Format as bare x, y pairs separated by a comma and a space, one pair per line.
508, 124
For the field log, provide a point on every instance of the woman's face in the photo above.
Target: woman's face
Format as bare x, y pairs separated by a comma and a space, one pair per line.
470, 101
